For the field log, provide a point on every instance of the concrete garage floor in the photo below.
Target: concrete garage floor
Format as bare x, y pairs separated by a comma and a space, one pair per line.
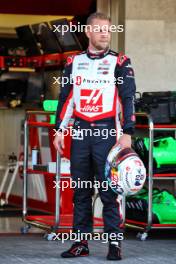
32, 248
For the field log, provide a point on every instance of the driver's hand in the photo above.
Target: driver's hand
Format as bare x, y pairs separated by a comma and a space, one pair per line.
58, 142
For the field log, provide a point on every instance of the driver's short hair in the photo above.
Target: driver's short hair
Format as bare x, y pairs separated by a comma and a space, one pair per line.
97, 15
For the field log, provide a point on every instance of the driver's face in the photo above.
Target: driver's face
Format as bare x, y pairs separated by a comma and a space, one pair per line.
99, 35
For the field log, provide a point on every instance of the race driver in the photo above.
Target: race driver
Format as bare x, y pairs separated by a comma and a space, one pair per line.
103, 83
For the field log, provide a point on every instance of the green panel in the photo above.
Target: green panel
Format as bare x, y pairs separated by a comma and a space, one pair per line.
164, 151
50, 105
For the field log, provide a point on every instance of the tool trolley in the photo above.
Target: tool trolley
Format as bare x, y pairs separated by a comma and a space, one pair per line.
49, 223
145, 227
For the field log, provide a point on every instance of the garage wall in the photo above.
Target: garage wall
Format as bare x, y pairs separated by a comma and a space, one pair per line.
150, 41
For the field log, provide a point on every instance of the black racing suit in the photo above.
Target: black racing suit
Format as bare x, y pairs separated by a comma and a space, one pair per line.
95, 108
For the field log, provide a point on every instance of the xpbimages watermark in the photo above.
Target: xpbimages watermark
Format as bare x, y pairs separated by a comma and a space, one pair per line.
81, 133
62, 29
104, 237
78, 80
84, 184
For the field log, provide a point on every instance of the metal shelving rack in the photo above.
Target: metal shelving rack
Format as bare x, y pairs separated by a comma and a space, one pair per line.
146, 227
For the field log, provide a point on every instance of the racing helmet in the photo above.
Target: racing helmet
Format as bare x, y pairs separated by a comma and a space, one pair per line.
124, 171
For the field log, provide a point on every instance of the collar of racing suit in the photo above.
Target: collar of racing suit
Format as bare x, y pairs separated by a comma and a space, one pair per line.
97, 55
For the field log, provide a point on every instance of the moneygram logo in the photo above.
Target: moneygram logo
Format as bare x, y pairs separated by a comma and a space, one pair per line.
91, 100
78, 80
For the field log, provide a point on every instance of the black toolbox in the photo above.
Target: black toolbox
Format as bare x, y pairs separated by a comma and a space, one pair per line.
161, 106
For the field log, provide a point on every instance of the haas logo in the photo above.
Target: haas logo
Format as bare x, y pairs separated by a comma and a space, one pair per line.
91, 100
